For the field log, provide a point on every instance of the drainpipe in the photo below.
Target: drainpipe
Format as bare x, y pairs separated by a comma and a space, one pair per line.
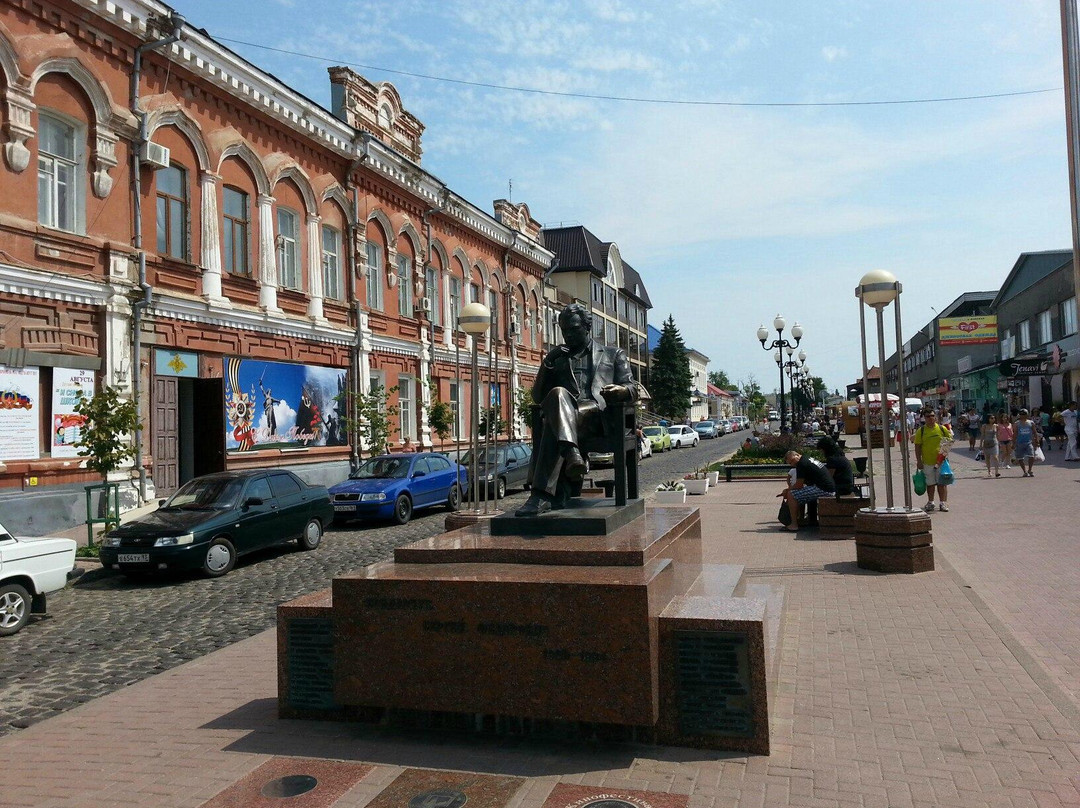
426, 221
354, 358
174, 23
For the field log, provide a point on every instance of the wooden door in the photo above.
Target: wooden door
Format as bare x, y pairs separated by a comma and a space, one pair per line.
164, 425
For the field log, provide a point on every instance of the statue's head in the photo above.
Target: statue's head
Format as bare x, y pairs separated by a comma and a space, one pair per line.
576, 324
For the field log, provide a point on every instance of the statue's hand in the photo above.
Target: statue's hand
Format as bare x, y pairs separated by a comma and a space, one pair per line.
614, 393
560, 353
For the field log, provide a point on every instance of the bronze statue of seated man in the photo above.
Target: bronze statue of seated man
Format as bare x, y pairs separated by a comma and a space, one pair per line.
575, 384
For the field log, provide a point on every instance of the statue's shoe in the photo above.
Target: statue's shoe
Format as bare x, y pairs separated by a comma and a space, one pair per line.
534, 506
575, 466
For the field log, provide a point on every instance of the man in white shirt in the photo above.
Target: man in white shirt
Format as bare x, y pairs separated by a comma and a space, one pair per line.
1072, 452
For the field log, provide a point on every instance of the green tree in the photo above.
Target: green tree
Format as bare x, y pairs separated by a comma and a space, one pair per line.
720, 379
375, 418
523, 402
808, 398
492, 416
670, 375
755, 399
110, 420
440, 415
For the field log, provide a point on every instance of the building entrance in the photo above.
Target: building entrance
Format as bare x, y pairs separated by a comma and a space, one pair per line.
188, 428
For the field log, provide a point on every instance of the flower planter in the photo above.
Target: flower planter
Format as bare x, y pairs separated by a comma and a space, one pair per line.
696, 486
670, 497
714, 478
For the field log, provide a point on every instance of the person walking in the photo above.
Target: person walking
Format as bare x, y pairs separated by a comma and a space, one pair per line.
1027, 440
928, 440
990, 446
1005, 439
974, 425
1068, 415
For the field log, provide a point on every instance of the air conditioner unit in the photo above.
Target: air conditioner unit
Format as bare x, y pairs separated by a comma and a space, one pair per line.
154, 154
425, 304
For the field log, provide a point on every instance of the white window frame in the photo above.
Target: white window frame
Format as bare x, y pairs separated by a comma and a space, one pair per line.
230, 225
1046, 327
333, 285
374, 259
1068, 317
1023, 333
77, 165
171, 250
432, 288
288, 249
405, 296
406, 407
455, 301
457, 427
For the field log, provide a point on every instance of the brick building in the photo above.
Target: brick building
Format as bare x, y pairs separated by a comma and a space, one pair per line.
287, 253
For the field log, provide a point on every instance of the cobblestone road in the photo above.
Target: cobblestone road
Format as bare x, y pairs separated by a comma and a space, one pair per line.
108, 631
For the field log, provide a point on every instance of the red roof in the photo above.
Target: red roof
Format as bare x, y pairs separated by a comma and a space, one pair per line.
716, 391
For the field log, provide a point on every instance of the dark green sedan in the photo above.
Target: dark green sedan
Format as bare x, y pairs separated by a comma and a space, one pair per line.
212, 520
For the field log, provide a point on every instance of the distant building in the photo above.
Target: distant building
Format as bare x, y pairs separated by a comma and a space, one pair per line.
699, 385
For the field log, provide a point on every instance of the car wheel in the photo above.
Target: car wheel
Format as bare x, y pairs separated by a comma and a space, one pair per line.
220, 558
695, 441
312, 535
500, 488
453, 501
402, 509
14, 608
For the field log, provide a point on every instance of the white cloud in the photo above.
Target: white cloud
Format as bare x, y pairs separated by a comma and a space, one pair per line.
831, 53
285, 417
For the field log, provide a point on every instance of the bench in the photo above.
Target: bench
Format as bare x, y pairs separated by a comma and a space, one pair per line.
781, 470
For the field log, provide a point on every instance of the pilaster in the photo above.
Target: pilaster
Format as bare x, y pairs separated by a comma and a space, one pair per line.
210, 232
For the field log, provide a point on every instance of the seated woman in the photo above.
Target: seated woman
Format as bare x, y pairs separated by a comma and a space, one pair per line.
838, 466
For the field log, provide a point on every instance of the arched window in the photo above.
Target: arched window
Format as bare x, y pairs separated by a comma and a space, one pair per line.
331, 260
386, 117
172, 212
236, 230
376, 248
404, 284
434, 298
61, 195
288, 249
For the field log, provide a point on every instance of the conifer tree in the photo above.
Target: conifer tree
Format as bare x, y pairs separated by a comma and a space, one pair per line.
670, 377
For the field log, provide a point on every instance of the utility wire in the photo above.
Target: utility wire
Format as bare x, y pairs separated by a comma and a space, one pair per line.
644, 100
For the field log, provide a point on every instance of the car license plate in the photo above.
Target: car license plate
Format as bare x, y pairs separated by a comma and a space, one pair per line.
133, 558
344, 507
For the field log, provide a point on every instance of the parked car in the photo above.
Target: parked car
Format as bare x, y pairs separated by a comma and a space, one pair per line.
394, 486
774, 415
732, 425
659, 437
502, 467
30, 568
212, 520
644, 447
706, 429
683, 436
743, 421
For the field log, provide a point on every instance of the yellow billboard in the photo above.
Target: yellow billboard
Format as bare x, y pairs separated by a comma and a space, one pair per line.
976, 330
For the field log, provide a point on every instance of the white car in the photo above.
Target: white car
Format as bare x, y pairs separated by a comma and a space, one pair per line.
30, 568
683, 436
644, 448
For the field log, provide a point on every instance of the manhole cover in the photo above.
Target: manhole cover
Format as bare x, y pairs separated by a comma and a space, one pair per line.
439, 798
290, 786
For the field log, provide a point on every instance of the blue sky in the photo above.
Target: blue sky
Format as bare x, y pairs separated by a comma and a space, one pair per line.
731, 214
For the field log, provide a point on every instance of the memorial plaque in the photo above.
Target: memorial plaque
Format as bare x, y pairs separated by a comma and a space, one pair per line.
429, 788
713, 684
565, 795
310, 655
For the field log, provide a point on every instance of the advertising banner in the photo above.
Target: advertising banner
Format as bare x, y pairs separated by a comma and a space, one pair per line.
20, 438
66, 423
980, 330
279, 405
1034, 364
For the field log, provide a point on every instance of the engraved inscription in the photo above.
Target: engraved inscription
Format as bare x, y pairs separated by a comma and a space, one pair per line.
401, 604
713, 690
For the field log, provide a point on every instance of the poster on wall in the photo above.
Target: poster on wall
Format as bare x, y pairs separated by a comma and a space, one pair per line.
278, 405
67, 424
19, 414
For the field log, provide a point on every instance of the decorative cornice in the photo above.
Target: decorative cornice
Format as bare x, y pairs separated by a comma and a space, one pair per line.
241, 319
52, 286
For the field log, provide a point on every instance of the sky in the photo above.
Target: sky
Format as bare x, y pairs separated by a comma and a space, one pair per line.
733, 212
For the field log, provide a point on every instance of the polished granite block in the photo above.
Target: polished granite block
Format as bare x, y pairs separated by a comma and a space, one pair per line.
304, 642
546, 642
427, 788
585, 516
713, 692
908, 560
894, 541
295, 782
566, 795
898, 521
631, 545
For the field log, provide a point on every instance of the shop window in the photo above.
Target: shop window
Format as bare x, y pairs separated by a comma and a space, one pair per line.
235, 230
404, 284
172, 212
374, 276
331, 255
60, 183
288, 248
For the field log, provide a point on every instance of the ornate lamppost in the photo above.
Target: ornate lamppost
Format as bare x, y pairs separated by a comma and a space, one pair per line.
793, 367
474, 320
777, 345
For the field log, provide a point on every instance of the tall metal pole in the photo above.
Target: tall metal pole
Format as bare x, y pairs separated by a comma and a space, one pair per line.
902, 392
783, 409
886, 443
474, 430
1070, 48
866, 399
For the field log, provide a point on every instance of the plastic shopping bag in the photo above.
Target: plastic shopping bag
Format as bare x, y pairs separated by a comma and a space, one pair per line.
1039, 456
918, 479
945, 475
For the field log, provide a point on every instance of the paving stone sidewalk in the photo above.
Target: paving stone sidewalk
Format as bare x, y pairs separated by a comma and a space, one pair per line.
893, 691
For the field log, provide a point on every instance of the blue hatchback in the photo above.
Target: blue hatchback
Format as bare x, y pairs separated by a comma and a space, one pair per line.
393, 486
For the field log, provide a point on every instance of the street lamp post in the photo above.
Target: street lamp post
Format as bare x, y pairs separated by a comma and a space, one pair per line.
793, 367
778, 344
474, 320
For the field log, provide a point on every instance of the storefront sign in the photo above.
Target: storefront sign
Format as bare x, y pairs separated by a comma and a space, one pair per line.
176, 363
67, 425
274, 404
1041, 365
967, 330
20, 414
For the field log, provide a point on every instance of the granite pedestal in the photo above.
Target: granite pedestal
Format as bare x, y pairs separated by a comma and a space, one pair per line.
836, 516
470, 630
894, 540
